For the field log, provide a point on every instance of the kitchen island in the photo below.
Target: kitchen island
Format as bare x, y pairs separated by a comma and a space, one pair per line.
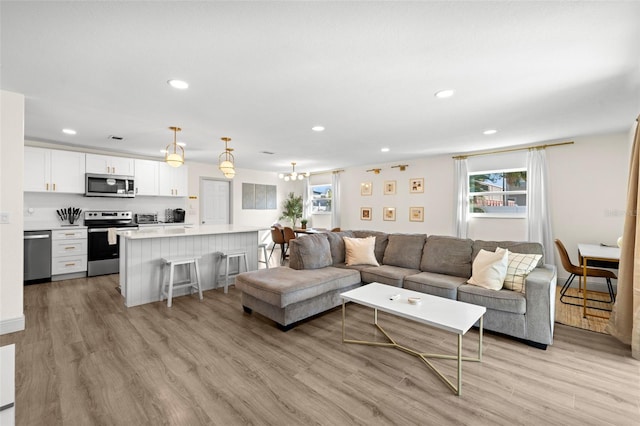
141, 254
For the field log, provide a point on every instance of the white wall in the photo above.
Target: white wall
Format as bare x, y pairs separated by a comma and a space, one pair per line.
437, 198
588, 190
11, 234
249, 217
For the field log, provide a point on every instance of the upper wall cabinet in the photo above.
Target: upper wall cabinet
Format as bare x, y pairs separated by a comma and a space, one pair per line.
146, 177
172, 181
105, 164
50, 170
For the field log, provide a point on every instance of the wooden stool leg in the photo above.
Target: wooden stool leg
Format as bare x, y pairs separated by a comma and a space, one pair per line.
170, 293
264, 252
162, 278
198, 278
226, 276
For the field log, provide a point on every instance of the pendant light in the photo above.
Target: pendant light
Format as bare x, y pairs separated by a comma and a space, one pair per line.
226, 160
293, 175
173, 157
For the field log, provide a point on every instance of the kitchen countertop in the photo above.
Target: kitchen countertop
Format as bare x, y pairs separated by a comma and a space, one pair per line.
186, 232
48, 226
149, 225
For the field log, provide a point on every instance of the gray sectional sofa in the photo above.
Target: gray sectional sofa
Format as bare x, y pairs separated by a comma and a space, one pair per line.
437, 265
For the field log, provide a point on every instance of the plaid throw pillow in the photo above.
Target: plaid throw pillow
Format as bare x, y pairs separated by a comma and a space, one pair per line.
520, 265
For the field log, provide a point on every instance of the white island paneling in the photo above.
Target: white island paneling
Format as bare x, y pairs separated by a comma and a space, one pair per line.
141, 254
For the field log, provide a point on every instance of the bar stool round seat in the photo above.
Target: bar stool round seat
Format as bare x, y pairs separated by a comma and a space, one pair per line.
166, 289
227, 256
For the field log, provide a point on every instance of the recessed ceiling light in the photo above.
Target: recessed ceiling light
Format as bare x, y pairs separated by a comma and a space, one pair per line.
182, 143
318, 128
178, 84
384, 150
490, 132
69, 131
447, 93
164, 151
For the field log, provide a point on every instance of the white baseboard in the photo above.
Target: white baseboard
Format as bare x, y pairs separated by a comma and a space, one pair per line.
12, 325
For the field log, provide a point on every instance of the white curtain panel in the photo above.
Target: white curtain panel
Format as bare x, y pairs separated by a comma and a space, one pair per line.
335, 203
538, 211
462, 200
306, 200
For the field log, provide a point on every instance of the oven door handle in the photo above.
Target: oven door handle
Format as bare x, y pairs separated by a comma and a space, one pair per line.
132, 228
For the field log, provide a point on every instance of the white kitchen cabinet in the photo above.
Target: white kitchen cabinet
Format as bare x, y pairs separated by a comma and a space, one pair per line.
68, 251
106, 164
52, 170
146, 177
172, 181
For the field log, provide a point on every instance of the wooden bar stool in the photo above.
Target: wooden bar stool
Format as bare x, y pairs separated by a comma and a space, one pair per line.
227, 256
171, 263
263, 247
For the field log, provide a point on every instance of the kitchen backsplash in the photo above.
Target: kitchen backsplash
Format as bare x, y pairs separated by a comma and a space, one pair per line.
41, 207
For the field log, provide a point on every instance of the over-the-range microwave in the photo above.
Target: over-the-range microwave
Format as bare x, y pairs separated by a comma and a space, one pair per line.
109, 186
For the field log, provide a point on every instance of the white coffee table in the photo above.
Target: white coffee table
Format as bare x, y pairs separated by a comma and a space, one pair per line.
445, 314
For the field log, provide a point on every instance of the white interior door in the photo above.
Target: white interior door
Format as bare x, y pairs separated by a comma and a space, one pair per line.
215, 200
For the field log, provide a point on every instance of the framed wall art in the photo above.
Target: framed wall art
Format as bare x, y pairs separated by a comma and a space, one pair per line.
389, 213
365, 213
366, 188
416, 185
416, 214
389, 187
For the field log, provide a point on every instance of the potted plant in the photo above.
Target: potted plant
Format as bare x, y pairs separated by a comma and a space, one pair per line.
303, 223
292, 208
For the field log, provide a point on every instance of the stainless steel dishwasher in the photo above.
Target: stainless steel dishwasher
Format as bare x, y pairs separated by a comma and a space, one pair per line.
37, 257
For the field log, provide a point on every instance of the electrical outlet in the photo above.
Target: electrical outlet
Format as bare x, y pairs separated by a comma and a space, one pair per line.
4, 217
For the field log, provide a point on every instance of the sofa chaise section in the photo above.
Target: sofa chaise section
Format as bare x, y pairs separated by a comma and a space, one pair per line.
309, 286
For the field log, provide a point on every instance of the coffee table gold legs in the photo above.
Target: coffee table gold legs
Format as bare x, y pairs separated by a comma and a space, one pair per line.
423, 356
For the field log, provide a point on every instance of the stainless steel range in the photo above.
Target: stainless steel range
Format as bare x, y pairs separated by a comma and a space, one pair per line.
103, 255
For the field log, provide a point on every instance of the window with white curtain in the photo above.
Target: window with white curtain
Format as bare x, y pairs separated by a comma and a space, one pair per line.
321, 199
498, 193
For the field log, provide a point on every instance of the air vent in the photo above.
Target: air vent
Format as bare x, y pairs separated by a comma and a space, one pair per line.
115, 138
267, 152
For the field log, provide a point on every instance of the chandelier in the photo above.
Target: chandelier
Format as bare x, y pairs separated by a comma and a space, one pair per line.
173, 157
293, 175
226, 160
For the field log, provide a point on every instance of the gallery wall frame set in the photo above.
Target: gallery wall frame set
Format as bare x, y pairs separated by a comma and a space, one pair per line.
366, 213
366, 188
416, 214
389, 187
389, 213
416, 185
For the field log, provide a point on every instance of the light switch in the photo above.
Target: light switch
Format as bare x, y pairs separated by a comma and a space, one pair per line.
4, 217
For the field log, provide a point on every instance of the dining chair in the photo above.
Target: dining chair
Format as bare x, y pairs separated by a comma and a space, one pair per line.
278, 239
574, 271
289, 235
335, 230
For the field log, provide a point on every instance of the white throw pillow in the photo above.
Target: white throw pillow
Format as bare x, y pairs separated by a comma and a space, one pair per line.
520, 265
489, 269
360, 251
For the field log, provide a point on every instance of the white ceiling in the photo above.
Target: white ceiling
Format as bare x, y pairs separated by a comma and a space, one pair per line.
264, 73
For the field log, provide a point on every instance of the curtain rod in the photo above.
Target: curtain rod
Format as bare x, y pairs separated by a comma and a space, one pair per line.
500, 151
328, 171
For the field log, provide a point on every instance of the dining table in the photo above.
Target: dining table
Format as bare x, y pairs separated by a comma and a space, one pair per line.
595, 253
310, 230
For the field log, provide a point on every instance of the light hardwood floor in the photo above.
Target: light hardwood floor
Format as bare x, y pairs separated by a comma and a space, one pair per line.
85, 359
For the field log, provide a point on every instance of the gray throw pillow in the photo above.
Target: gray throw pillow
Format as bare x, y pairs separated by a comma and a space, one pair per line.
447, 255
404, 250
336, 245
309, 252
